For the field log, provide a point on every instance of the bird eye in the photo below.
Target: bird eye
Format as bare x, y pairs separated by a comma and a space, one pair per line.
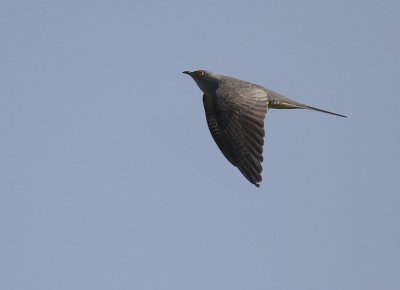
200, 73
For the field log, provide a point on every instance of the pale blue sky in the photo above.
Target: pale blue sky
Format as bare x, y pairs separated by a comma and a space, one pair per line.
111, 180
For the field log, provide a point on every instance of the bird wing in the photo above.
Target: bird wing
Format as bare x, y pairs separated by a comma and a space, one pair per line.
215, 129
236, 122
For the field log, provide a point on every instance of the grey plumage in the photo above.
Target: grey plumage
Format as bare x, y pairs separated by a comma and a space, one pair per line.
235, 112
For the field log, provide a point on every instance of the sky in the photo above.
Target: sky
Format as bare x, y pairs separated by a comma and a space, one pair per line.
109, 178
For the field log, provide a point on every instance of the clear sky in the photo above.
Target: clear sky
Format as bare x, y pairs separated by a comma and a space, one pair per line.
109, 178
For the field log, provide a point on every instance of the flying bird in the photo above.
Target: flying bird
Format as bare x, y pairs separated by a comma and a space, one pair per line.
235, 112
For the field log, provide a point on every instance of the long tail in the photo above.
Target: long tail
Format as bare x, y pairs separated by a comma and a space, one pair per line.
278, 101
323, 111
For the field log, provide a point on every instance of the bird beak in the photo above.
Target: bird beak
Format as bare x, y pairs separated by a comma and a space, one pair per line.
187, 72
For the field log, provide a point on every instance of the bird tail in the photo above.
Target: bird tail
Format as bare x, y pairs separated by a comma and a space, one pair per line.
323, 111
278, 101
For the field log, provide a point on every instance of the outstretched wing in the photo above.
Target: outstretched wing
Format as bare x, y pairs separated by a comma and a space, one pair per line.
236, 122
215, 129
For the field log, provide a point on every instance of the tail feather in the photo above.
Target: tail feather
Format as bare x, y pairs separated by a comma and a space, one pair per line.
278, 101
323, 111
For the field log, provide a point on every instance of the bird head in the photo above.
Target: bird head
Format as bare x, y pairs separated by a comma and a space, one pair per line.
207, 81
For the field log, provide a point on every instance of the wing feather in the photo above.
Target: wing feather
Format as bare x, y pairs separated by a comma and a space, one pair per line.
236, 122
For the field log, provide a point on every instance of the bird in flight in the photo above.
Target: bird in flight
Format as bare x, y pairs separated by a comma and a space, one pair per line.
235, 112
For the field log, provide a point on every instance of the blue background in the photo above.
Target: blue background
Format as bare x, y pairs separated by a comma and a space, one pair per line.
109, 178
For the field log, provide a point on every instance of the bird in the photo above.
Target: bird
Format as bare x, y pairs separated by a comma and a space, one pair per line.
235, 111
